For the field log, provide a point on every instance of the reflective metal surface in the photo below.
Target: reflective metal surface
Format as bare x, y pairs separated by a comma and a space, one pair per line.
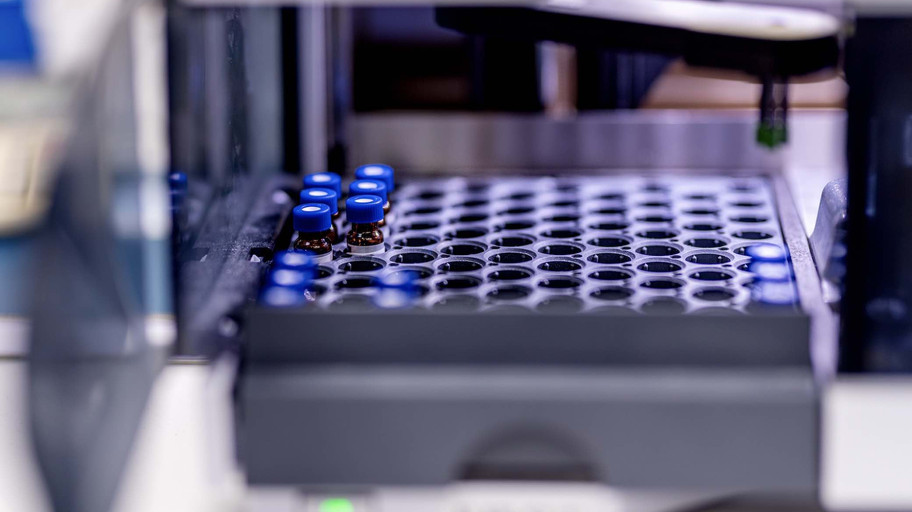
642, 140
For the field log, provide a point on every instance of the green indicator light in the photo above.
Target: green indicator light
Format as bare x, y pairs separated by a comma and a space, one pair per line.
336, 505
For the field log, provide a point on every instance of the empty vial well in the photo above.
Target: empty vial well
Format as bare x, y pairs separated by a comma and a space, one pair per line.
608, 241
362, 265
511, 256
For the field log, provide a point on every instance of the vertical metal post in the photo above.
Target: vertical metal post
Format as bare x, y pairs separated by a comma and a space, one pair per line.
314, 81
876, 321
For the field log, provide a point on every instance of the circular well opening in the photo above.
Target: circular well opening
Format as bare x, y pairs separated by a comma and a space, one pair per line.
714, 294
609, 225
655, 218
712, 275
561, 233
703, 226
424, 210
708, 258
467, 218
516, 210
609, 258
559, 249
512, 241
749, 219
464, 233
359, 265
514, 225
611, 293
460, 266
752, 235
702, 211
451, 283
509, 274
413, 257
568, 265
608, 241
657, 234
416, 241
658, 250
420, 272
508, 293
420, 226
511, 257
660, 266
355, 283
472, 203
463, 249
611, 275
662, 284
560, 283
706, 243
609, 210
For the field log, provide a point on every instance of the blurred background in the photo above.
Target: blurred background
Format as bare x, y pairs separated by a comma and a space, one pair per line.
123, 303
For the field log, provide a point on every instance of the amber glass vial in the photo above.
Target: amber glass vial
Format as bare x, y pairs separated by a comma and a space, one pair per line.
330, 198
364, 213
313, 222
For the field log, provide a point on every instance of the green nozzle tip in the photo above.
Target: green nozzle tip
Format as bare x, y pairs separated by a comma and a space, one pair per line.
336, 505
771, 136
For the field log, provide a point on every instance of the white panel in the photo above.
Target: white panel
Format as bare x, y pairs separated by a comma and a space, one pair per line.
867, 444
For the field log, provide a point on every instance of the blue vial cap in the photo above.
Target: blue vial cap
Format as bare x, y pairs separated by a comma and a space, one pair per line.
397, 290
16, 45
322, 196
288, 278
770, 271
177, 181
294, 260
177, 199
379, 172
364, 209
368, 187
282, 297
324, 180
774, 293
766, 252
405, 280
312, 218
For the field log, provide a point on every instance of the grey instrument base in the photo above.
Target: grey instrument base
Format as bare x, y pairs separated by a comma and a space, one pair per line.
722, 403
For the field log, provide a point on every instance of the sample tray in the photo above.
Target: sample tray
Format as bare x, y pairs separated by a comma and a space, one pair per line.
589, 328
611, 244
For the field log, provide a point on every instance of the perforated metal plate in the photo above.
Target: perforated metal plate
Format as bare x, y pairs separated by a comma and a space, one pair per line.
589, 243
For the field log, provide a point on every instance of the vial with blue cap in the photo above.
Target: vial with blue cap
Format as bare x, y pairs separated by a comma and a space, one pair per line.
372, 188
770, 270
328, 180
177, 181
288, 286
282, 297
364, 213
177, 186
398, 290
313, 223
766, 252
292, 260
377, 172
328, 197
776, 295
288, 278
